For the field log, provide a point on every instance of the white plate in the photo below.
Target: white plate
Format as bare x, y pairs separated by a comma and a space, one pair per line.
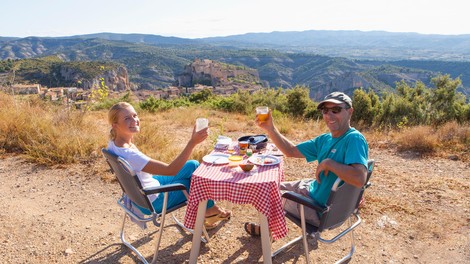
216, 158
264, 160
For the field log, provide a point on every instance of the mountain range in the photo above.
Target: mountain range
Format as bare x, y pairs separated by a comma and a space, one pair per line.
321, 60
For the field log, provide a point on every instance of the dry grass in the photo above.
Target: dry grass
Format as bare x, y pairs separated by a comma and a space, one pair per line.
50, 134
450, 139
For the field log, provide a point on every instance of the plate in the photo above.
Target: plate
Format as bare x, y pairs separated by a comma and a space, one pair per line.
264, 160
216, 158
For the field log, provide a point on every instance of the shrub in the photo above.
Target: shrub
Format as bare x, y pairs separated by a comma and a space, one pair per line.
297, 101
419, 139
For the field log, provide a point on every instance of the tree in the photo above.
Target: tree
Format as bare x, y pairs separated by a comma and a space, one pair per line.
298, 100
363, 108
446, 103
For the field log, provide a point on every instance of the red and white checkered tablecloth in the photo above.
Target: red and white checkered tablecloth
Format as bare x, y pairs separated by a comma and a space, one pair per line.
259, 188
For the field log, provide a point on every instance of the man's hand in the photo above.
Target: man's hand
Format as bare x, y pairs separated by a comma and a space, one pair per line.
323, 166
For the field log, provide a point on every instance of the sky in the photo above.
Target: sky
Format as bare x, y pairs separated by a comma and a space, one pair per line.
210, 18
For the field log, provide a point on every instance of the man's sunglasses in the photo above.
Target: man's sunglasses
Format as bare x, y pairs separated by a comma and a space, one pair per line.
334, 110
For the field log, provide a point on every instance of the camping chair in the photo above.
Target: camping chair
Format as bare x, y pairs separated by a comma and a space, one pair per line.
343, 204
132, 189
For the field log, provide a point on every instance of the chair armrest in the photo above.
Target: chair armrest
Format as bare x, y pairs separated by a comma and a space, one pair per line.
165, 188
307, 201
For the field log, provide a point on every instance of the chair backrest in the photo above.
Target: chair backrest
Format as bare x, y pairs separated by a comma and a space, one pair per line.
127, 178
344, 200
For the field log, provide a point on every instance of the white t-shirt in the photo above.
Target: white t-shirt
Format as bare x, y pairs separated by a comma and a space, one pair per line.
137, 160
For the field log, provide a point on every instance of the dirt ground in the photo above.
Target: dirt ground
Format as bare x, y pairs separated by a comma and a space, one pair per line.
417, 211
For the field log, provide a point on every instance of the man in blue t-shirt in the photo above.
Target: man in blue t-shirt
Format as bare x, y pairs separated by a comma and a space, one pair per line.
343, 153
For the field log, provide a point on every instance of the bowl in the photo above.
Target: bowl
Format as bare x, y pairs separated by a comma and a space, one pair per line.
246, 166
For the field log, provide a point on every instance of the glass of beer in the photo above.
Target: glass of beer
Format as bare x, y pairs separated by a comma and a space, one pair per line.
262, 112
243, 146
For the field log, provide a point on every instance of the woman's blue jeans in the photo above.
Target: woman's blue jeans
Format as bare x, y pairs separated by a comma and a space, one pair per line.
177, 197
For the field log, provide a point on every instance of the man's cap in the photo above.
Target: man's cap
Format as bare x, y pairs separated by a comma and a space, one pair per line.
337, 98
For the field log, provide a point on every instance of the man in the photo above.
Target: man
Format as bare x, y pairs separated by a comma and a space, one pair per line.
343, 153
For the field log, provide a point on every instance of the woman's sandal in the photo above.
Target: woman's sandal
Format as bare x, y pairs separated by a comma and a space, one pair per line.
210, 222
253, 229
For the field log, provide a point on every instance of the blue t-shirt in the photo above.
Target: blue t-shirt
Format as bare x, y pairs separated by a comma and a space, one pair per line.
348, 149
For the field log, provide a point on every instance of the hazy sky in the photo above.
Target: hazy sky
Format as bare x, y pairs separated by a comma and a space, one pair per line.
204, 18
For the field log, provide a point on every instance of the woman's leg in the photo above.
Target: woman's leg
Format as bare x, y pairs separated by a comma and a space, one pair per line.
183, 177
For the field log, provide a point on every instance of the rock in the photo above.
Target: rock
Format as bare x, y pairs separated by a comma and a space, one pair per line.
68, 251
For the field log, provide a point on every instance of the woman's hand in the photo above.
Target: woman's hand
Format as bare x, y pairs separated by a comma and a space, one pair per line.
199, 136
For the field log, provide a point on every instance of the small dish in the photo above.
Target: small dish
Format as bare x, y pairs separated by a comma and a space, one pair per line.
246, 167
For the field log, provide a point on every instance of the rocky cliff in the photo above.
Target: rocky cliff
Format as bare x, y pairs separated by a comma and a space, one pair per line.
217, 74
117, 79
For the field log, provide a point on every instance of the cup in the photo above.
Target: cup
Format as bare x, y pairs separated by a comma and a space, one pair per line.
249, 152
201, 123
262, 112
243, 145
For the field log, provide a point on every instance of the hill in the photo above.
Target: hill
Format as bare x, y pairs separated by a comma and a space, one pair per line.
377, 45
282, 59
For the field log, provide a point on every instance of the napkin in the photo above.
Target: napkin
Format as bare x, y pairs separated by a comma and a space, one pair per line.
223, 142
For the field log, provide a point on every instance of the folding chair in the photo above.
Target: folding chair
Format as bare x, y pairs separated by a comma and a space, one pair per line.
343, 204
132, 188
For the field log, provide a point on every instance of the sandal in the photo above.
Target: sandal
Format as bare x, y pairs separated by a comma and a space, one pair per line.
253, 229
210, 222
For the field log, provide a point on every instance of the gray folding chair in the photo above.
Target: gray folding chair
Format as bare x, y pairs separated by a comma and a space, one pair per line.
343, 204
132, 188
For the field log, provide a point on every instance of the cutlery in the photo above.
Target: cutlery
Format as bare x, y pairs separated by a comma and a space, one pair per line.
213, 162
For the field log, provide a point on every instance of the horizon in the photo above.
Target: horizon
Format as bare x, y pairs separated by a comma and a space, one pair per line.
276, 31
211, 18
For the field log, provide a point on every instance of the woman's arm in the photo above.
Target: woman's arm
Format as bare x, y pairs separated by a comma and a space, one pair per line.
157, 167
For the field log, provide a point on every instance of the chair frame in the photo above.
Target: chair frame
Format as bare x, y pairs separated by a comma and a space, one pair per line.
337, 211
133, 189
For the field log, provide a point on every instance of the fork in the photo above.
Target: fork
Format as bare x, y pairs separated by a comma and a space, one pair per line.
213, 162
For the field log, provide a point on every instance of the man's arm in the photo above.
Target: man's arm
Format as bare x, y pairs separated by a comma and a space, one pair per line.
282, 143
354, 174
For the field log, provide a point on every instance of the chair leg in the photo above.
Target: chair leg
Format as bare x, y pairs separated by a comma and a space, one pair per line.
127, 244
290, 243
303, 237
348, 257
304, 233
162, 225
205, 235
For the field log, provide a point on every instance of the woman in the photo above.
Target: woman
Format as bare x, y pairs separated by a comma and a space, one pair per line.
125, 123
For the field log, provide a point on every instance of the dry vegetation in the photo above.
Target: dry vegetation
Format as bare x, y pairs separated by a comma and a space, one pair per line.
417, 210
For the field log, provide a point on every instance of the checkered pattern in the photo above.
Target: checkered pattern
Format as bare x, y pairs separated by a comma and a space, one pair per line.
261, 189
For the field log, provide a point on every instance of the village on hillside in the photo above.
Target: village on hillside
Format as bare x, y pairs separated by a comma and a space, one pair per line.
197, 76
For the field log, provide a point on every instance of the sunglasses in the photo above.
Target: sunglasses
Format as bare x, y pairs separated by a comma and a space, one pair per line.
334, 110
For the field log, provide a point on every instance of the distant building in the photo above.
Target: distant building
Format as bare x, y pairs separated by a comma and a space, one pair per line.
24, 89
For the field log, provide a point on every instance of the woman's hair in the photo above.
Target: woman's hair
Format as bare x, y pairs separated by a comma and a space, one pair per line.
113, 116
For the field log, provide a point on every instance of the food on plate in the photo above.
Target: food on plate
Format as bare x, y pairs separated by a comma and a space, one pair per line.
264, 160
268, 160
